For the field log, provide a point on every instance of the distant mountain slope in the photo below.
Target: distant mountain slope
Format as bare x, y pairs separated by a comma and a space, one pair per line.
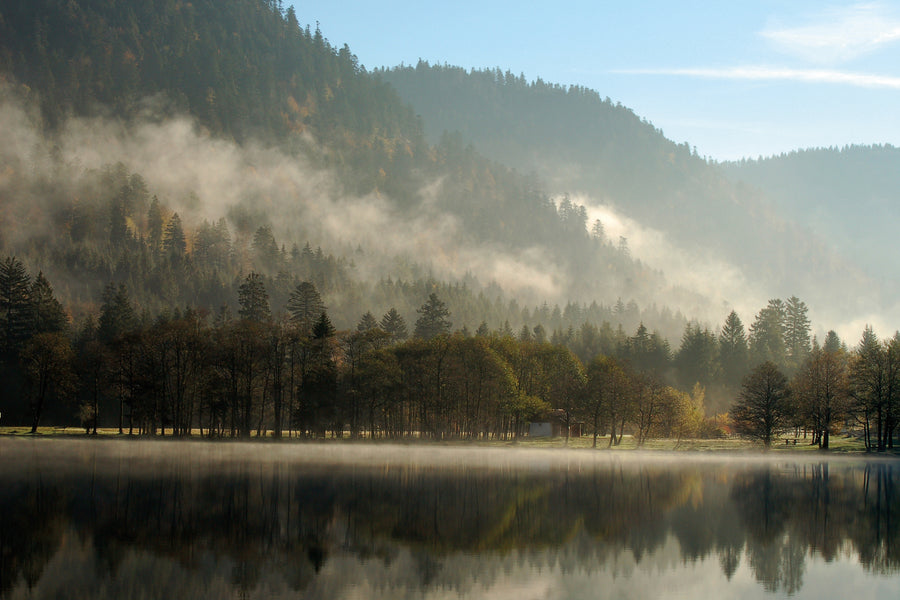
524, 124
850, 196
581, 143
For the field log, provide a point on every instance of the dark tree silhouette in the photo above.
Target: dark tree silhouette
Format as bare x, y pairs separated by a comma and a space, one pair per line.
763, 408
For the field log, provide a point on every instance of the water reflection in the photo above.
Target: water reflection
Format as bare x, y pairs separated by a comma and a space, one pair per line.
195, 520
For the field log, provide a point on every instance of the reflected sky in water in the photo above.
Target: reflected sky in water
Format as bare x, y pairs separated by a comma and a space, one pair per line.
125, 519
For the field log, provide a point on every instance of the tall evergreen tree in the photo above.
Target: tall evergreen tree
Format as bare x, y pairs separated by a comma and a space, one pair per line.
265, 249
48, 313
174, 242
15, 306
394, 325
875, 388
118, 225
796, 332
367, 323
117, 315
305, 305
697, 358
767, 335
833, 342
733, 351
254, 300
155, 225
323, 329
432, 320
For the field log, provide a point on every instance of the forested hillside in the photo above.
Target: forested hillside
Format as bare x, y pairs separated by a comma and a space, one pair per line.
205, 207
583, 144
163, 153
849, 196
235, 111
241, 67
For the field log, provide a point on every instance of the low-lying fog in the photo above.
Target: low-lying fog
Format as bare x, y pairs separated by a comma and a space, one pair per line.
67, 454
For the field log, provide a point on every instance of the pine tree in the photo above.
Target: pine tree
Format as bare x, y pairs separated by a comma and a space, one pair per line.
432, 321
254, 300
483, 330
697, 358
367, 323
117, 314
833, 343
394, 325
48, 313
155, 225
118, 225
796, 332
15, 306
323, 329
265, 249
305, 305
733, 351
174, 242
767, 334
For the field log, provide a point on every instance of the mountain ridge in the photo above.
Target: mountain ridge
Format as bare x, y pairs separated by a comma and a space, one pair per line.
641, 175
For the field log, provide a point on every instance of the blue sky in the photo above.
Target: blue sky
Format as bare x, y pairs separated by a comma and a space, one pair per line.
733, 79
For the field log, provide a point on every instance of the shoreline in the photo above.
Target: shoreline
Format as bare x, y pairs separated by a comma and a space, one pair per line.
840, 445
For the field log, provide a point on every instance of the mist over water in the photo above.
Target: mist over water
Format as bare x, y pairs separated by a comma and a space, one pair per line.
167, 519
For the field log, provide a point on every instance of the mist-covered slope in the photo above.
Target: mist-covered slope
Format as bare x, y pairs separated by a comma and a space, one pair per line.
730, 240
849, 196
241, 121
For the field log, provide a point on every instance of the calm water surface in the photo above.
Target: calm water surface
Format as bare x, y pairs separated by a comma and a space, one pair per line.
124, 519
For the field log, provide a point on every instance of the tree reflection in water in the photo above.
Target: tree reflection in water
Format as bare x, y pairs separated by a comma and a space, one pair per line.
169, 520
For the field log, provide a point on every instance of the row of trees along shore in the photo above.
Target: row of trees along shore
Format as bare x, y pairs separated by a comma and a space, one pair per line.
292, 373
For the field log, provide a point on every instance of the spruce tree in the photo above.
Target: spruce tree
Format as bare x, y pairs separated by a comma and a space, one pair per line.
767, 335
155, 225
117, 314
367, 323
394, 325
174, 242
796, 331
305, 305
432, 321
48, 314
15, 306
253, 299
733, 352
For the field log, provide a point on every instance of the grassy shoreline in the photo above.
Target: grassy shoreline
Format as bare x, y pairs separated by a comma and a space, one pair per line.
839, 444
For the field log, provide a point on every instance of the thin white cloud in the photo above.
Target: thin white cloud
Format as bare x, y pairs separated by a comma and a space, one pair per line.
760, 73
838, 35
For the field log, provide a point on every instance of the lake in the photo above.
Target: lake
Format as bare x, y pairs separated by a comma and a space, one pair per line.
164, 519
